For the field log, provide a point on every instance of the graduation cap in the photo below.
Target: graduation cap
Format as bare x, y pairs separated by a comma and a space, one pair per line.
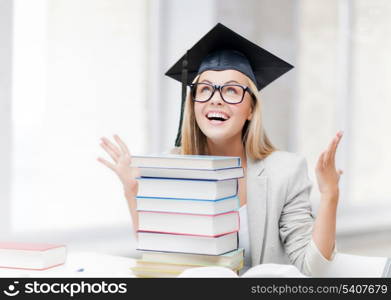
223, 49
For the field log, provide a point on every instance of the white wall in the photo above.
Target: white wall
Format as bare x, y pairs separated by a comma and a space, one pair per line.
180, 25
317, 88
271, 25
6, 8
344, 74
371, 109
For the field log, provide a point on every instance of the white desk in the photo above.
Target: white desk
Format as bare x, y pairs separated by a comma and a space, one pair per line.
104, 265
94, 265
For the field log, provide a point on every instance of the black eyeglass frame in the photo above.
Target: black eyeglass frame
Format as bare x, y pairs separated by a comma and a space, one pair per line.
219, 88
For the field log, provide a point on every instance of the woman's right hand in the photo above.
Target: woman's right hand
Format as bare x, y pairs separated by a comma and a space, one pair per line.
121, 166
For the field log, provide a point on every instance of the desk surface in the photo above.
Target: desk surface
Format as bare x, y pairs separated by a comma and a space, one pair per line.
93, 265
105, 265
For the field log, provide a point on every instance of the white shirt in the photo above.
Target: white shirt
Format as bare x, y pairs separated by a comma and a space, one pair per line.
244, 238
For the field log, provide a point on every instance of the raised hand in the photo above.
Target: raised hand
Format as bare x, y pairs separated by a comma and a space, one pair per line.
121, 157
326, 173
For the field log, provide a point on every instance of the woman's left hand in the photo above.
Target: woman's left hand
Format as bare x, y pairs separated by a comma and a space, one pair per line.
326, 174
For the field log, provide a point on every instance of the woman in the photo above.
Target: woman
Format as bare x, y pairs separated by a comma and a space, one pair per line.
222, 116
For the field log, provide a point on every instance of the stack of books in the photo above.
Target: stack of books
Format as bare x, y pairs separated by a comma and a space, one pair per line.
188, 213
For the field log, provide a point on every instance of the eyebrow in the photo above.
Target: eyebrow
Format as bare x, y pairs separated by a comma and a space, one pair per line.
230, 81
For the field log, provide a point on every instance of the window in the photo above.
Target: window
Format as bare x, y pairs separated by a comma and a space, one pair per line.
344, 74
78, 75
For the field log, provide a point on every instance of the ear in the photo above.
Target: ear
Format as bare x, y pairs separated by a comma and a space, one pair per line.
250, 116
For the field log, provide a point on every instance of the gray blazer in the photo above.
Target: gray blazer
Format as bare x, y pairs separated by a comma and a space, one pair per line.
280, 217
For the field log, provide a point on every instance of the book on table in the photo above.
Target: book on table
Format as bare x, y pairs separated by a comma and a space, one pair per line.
167, 264
197, 162
231, 260
188, 223
196, 189
195, 206
31, 256
166, 270
213, 174
155, 270
195, 244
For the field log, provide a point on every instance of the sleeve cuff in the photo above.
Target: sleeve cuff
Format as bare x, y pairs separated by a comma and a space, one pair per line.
315, 262
316, 250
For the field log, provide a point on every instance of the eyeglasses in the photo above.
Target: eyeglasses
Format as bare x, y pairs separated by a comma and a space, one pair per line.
230, 93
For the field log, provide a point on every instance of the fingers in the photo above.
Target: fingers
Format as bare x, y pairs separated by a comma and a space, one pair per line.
329, 157
121, 144
106, 163
338, 139
328, 153
113, 155
319, 164
113, 147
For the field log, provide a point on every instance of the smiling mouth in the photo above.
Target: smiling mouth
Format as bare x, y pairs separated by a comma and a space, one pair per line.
217, 116
216, 119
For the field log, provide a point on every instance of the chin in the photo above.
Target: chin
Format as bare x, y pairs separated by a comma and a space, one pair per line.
217, 135
221, 132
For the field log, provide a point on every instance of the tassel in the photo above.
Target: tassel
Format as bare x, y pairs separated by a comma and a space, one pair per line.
184, 85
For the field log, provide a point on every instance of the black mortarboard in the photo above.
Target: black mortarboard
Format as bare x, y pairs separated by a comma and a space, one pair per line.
223, 49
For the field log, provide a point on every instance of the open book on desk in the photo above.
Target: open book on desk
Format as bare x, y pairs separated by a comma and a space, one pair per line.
259, 271
350, 265
343, 265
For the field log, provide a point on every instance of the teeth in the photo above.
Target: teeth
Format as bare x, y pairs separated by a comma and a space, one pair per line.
217, 115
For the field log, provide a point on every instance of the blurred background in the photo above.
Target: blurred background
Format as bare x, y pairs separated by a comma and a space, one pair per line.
72, 71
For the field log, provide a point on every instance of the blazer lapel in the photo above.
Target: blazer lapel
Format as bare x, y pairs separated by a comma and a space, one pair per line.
256, 183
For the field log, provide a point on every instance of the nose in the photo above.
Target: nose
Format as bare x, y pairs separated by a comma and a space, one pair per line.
216, 98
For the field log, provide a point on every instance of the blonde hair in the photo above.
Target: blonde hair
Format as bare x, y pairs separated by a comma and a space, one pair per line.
256, 143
